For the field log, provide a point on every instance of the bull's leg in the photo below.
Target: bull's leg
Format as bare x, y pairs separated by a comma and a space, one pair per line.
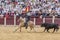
48, 30
57, 30
44, 30
53, 30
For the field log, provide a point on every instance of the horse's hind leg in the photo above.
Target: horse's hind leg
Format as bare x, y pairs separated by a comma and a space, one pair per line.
26, 26
20, 29
33, 28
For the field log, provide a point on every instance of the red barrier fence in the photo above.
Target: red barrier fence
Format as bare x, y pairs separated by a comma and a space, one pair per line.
1, 21
10, 20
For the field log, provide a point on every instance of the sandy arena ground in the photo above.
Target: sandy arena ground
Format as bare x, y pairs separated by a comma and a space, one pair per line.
6, 33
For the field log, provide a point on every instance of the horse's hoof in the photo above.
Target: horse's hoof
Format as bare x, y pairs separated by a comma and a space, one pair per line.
52, 32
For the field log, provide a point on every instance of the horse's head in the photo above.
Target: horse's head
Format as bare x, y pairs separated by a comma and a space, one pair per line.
21, 19
42, 25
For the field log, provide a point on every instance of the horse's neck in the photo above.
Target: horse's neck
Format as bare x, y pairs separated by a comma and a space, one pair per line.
22, 20
30, 21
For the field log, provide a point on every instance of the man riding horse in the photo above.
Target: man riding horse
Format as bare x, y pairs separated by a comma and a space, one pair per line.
27, 19
25, 22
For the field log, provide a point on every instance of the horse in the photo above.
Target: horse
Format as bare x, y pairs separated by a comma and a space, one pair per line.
22, 24
50, 26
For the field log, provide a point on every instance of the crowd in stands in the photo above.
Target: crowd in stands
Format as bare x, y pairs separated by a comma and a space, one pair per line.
30, 7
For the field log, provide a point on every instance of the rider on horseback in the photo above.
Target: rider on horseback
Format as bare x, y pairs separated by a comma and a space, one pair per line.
27, 19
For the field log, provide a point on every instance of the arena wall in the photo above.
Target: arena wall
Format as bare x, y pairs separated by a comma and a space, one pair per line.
38, 21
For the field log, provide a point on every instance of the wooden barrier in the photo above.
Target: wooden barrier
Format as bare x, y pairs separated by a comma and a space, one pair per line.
1, 21
37, 21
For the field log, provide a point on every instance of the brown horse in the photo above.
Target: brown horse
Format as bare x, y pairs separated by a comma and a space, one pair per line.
21, 24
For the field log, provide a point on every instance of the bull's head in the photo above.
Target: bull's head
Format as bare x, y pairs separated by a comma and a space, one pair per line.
44, 24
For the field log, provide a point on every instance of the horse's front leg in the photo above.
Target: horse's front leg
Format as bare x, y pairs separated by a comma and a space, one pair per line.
20, 28
34, 28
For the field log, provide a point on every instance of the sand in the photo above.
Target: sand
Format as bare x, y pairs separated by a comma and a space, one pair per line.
6, 33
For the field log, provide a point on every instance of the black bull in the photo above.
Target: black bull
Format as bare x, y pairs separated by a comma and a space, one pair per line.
50, 26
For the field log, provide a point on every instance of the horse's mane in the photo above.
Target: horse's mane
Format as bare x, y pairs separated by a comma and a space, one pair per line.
22, 19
